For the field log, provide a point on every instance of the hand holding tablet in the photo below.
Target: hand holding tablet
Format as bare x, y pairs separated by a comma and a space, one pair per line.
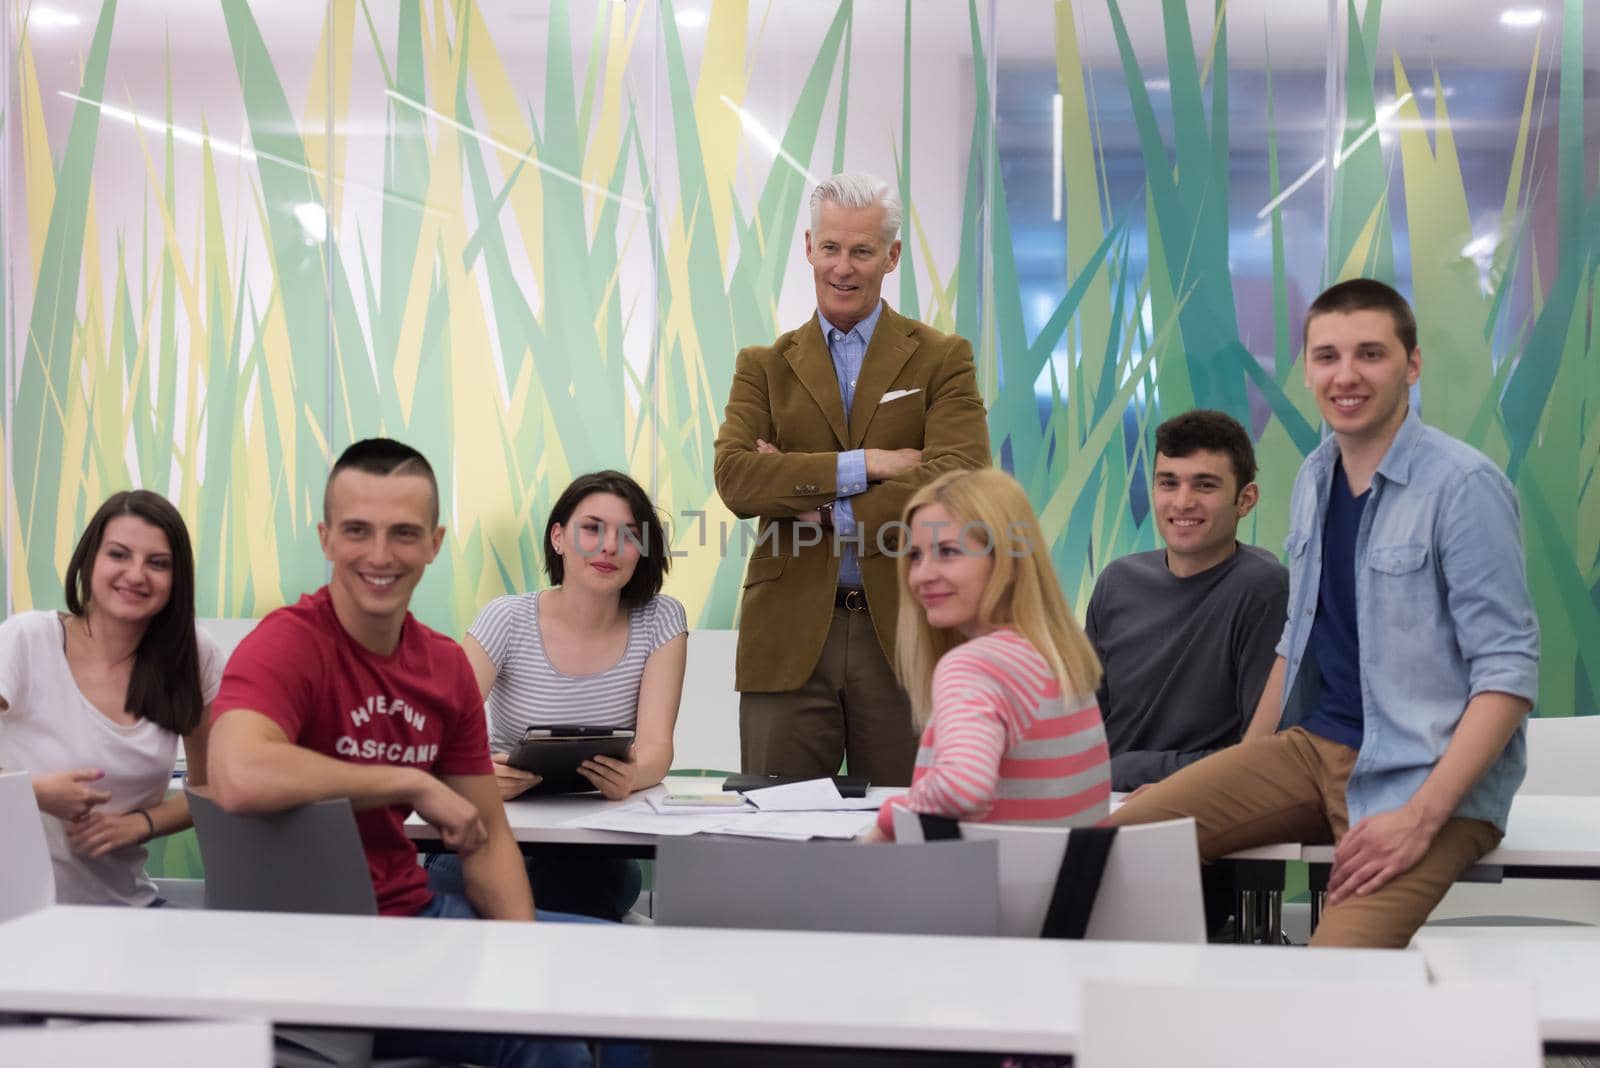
555, 754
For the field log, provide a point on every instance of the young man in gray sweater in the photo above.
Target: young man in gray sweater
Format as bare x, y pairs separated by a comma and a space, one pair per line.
1187, 633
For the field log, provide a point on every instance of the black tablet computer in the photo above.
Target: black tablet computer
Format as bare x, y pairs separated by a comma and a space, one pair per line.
554, 753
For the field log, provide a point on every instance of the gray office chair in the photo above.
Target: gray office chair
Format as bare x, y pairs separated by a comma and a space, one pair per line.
262, 863
306, 859
936, 888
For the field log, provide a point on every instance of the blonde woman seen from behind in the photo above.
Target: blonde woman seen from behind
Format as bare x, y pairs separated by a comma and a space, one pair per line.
1000, 675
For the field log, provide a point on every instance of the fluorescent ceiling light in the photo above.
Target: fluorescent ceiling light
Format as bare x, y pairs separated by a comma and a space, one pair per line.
1521, 18
691, 19
526, 157
1381, 116
314, 220
44, 17
1055, 157
767, 139
185, 136
1158, 85
1479, 247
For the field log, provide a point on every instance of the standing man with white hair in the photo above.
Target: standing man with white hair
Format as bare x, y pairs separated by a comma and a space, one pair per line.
827, 433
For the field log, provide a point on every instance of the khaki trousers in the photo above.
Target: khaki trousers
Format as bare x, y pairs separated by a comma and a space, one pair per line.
851, 708
1291, 788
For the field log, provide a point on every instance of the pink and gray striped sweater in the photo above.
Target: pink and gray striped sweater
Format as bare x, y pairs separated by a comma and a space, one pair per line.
1005, 745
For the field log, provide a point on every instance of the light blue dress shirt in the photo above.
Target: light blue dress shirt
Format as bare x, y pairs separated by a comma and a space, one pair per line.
849, 350
1442, 610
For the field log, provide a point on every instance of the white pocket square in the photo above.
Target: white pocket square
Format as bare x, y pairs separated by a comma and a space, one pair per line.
896, 394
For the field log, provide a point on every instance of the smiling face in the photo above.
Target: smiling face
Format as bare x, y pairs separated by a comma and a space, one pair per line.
599, 545
131, 580
1198, 505
379, 536
1360, 373
947, 573
849, 257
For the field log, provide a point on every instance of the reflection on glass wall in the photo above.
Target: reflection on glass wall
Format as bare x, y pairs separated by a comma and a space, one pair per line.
530, 237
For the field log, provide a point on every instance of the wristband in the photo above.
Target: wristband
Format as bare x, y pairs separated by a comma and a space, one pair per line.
150, 823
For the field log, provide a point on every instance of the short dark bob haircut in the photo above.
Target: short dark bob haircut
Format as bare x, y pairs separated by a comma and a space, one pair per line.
164, 685
652, 538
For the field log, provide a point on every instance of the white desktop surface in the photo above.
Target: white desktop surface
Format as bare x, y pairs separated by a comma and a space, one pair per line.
694, 984
542, 819
1544, 830
1562, 963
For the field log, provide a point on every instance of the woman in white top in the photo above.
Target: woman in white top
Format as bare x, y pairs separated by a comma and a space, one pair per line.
603, 647
94, 701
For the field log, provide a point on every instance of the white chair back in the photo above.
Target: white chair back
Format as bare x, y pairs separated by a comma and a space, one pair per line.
1150, 891
1563, 756
1322, 1025
30, 880
707, 733
227, 633
236, 1043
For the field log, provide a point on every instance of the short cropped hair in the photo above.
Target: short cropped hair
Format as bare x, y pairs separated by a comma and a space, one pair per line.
1366, 294
859, 190
381, 456
654, 562
1213, 431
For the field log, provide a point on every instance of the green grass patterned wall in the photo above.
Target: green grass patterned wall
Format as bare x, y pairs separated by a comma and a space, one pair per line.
531, 272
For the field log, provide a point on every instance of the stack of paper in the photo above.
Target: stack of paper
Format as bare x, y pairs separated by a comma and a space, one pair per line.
794, 812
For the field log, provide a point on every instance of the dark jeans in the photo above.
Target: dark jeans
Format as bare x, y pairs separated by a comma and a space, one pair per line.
564, 879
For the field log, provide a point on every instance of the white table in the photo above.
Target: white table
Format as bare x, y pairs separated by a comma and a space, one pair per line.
541, 820
1547, 836
686, 984
1562, 963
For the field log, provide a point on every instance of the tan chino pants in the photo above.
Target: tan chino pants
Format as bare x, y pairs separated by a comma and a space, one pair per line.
1291, 788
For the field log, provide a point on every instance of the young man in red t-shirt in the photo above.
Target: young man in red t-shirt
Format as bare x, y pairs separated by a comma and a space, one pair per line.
344, 694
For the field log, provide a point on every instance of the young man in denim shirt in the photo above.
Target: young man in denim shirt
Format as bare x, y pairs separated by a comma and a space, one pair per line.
1410, 657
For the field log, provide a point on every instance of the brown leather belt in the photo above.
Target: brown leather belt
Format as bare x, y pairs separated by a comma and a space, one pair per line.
853, 598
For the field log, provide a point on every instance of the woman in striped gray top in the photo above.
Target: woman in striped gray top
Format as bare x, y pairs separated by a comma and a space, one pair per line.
603, 647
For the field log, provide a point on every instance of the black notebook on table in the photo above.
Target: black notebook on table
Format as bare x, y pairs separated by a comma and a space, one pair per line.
848, 785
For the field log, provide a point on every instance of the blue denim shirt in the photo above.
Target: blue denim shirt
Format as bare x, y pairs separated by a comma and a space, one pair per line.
1442, 610
849, 352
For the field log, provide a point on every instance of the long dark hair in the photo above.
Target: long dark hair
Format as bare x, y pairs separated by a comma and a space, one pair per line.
651, 570
164, 687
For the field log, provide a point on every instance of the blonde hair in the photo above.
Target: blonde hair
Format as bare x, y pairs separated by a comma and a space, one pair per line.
1022, 592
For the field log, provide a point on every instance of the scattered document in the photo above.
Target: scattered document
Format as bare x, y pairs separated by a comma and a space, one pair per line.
813, 795
798, 826
642, 819
650, 814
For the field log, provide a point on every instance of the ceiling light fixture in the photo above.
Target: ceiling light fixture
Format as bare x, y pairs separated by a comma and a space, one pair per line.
1521, 18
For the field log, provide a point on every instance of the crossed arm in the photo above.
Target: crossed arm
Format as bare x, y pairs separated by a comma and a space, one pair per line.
757, 481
